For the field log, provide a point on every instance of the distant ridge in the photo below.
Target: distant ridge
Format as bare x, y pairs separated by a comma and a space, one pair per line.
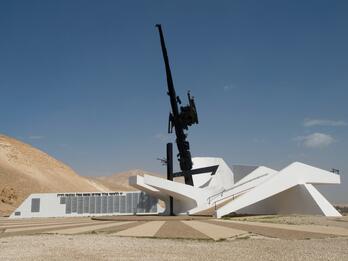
119, 181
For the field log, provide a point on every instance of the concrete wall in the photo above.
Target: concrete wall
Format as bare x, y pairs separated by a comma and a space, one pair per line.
87, 204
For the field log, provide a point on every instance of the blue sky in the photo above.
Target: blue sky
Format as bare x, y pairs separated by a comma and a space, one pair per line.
84, 81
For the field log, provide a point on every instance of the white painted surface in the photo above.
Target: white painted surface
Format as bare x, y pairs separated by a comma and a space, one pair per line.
324, 205
293, 175
50, 206
262, 191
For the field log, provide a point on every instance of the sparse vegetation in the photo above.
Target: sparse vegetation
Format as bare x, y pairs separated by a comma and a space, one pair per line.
343, 209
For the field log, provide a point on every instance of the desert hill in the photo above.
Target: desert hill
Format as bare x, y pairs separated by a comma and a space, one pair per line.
119, 181
25, 170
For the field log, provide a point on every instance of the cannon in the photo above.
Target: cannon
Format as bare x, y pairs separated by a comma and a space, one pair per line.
180, 117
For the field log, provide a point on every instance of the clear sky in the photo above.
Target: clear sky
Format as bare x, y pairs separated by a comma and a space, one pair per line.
84, 81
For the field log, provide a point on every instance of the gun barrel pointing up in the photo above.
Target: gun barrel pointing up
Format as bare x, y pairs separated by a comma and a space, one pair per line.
175, 119
170, 84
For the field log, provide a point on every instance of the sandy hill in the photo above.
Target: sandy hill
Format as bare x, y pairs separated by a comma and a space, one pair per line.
119, 181
25, 170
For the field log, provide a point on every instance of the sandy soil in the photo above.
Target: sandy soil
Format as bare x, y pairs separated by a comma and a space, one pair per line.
297, 220
50, 240
108, 247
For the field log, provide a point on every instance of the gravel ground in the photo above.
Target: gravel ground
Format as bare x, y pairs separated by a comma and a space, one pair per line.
109, 247
298, 220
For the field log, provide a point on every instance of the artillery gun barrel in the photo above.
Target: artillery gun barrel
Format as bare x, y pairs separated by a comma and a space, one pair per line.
183, 145
170, 84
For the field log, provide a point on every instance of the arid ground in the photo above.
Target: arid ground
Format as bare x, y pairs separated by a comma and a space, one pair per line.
139, 238
25, 170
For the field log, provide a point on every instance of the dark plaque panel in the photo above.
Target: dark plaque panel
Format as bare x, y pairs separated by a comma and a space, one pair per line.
129, 205
35, 205
92, 205
122, 204
73, 201
116, 204
85, 204
68, 205
98, 204
79, 205
104, 204
62, 200
110, 204
135, 201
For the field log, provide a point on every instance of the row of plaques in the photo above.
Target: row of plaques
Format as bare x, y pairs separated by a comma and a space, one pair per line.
138, 202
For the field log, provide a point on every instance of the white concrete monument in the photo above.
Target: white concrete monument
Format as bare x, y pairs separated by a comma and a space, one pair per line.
261, 190
211, 186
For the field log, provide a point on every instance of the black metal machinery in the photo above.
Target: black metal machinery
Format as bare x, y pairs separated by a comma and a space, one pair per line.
170, 176
179, 119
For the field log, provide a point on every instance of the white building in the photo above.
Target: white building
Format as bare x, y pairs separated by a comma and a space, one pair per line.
244, 190
223, 191
87, 204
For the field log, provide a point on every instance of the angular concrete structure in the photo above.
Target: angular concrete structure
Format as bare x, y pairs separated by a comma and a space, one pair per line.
244, 190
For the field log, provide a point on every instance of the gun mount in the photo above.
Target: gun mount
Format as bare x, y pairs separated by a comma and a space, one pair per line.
179, 119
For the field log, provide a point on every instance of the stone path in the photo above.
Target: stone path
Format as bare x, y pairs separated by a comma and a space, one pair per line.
285, 231
166, 227
178, 229
86, 229
149, 229
215, 232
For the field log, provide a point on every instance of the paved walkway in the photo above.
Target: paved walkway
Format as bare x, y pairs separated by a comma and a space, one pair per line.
178, 229
86, 229
215, 232
148, 229
166, 227
285, 231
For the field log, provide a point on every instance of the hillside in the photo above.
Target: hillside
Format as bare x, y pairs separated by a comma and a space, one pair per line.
25, 170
